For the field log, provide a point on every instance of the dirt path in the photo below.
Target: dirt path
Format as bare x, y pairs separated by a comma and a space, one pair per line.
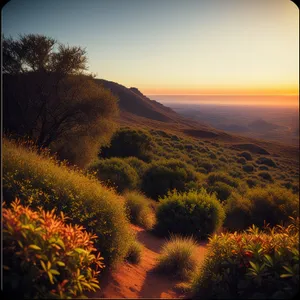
140, 281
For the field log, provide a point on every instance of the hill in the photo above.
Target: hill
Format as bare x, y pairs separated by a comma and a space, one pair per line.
138, 110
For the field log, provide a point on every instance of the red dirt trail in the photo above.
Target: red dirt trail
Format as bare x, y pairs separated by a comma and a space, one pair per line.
140, 281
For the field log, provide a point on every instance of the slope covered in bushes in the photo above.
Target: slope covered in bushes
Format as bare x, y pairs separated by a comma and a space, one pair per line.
39, 180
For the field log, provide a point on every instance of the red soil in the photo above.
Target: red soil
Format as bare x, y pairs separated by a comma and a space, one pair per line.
140, 281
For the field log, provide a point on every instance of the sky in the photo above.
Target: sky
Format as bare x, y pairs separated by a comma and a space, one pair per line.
208, 47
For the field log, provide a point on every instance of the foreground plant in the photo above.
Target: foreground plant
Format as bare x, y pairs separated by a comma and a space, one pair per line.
178, 257
46, 258
253, 264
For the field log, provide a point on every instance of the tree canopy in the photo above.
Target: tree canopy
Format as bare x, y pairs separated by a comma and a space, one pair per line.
48, 97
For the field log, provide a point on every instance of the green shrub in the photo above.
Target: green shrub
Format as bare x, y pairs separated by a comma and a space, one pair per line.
178, 257
266, 161
139, 210
272, 204
39, 180
115, 172
265, 175
263, 168
128, 142
166, 175
192, 213
252, 265
46, 258
248, 168
212, 155
139, 165
251, 182
222, 190
221, 177
238, 212
223, 159
241, 160
246, 155
134, 252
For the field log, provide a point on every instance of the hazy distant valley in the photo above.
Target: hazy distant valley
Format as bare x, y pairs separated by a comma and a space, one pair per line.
263, 122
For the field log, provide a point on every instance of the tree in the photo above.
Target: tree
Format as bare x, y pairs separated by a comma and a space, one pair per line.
48, 97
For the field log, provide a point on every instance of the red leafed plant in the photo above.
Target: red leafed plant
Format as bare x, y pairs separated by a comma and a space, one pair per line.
43, 257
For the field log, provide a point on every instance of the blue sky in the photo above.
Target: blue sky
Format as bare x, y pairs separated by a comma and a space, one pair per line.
172, 46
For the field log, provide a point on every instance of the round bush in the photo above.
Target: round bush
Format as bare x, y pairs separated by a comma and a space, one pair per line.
248, 168
167, 175
266, 161
246, 155
139, 165
128, 142
115, 172
241, 160
221, 189
265, 175
192, 213
238, 212
46, 258
178, 257
272, 204
222, 177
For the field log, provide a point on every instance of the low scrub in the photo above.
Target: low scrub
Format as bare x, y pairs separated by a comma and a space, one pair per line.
178, 257
44, 257
115, 172
272, 205
266, 176
266, 161
139, 211
192, 213
167, 175
222, 177
251, 265
134, 253
222, 190
128, 142
246, 155
39, 180
248, 168
139, 165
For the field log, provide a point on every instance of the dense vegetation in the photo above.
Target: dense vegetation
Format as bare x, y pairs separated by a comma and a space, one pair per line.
251, 265
193, 213
102, 178
40, 180
46, 258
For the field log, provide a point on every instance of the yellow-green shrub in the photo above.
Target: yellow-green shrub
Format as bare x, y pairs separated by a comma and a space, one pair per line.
178, 257
192, 213
44, 257
138, 207
39, 180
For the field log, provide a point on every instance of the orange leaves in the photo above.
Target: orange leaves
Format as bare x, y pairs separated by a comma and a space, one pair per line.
59, 255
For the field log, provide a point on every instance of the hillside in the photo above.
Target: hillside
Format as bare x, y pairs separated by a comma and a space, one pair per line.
138, 110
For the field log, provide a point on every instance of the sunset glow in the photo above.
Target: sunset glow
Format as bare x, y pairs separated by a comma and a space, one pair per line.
217, 47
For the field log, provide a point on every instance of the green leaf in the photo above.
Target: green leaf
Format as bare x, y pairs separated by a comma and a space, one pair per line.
61, 264
60, 243
43, 265
50, 277
79, 250
54, 272
286, 275
288, 269
34, 247
269, 259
